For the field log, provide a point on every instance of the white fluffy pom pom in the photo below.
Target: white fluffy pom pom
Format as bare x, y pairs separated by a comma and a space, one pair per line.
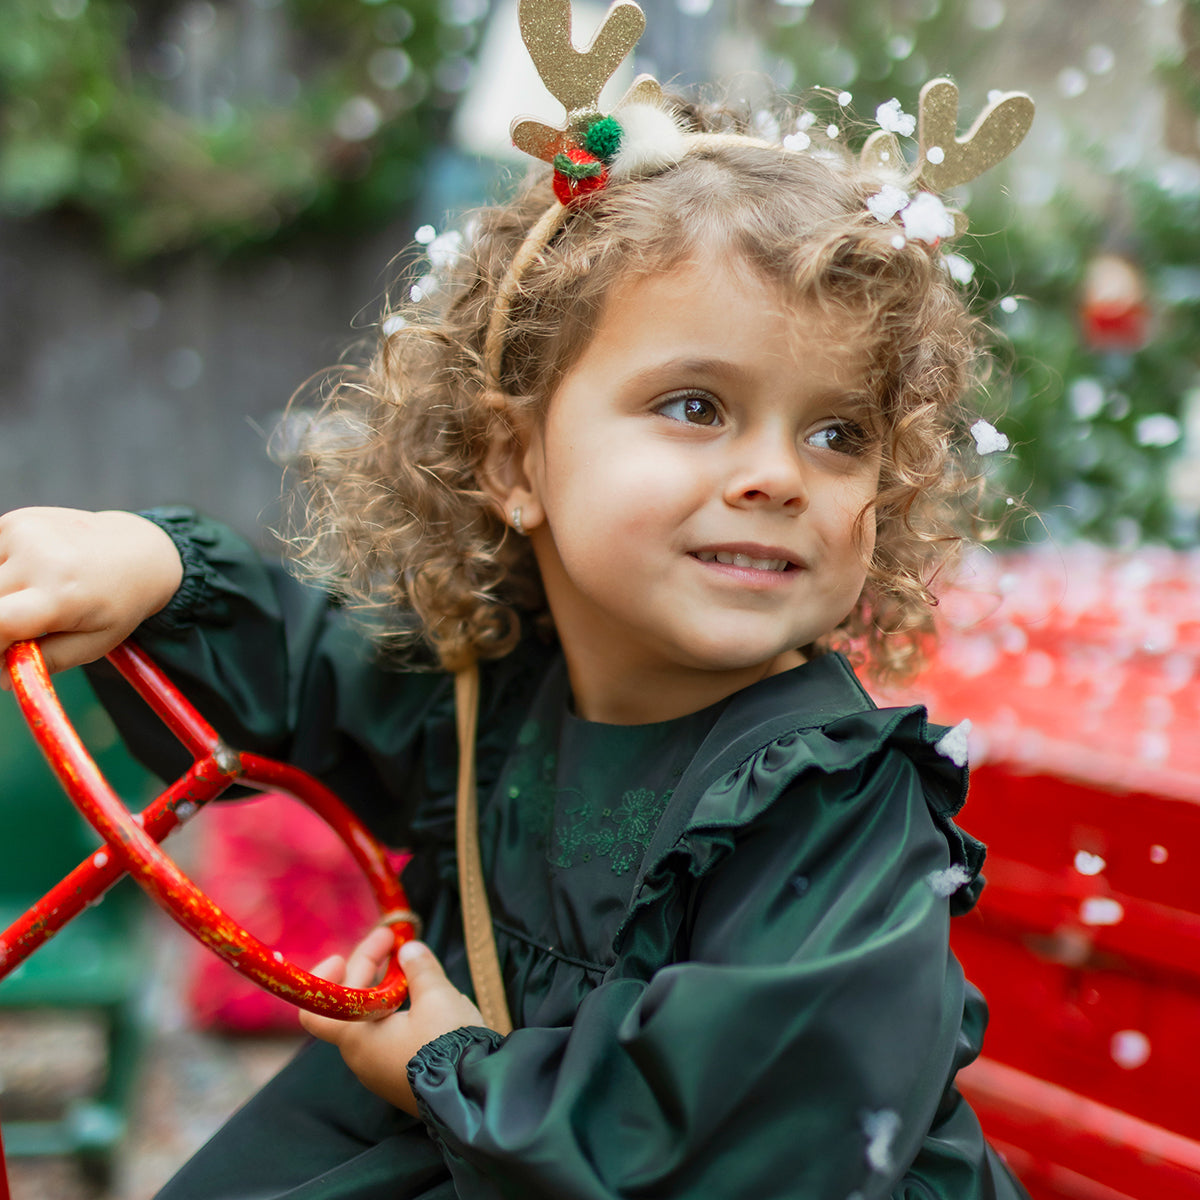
650, 141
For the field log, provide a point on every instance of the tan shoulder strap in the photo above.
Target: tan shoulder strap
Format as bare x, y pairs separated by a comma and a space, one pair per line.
477, 915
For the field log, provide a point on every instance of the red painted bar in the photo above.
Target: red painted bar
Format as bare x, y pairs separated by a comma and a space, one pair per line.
97, 873
165, 698
4, 1192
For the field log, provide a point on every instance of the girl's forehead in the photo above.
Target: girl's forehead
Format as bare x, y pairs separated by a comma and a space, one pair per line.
719, 310
713, 282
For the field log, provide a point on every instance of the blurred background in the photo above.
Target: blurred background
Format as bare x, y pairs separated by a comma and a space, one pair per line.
203, 203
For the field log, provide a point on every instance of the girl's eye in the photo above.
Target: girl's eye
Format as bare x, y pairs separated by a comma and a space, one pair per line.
692, 409
843, 437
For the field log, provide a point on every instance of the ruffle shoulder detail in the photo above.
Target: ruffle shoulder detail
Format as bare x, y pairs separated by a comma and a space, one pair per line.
844, 734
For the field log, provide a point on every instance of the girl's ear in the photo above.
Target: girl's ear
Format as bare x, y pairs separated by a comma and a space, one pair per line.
505, 476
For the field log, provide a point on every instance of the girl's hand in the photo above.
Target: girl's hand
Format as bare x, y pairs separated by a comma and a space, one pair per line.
378, 1051
80, 581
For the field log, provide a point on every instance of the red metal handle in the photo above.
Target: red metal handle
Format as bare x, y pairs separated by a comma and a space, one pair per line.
132, 842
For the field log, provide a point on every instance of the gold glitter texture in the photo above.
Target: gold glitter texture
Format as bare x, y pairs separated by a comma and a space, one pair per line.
995, 135
577, 77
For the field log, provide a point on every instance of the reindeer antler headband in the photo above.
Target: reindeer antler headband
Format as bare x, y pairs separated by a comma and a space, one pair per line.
641, 138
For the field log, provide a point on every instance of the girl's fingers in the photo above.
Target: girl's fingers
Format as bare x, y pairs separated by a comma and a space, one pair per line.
23, 615
332, 968
368, 957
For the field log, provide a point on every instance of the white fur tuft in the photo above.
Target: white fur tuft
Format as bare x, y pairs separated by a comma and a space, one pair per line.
651, 141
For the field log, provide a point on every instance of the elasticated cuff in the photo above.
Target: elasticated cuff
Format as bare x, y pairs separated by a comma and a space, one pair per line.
436, 1061
196, 593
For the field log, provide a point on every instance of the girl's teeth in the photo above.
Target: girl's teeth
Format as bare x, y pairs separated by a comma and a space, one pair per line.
744, 560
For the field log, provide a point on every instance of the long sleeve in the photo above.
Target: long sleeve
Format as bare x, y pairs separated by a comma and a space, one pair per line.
800, 1046
278, 669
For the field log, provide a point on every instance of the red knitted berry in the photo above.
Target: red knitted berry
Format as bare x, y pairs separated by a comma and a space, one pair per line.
577, 174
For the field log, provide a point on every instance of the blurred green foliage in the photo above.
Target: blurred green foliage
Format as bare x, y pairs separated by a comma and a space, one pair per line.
159, 123
1084, 457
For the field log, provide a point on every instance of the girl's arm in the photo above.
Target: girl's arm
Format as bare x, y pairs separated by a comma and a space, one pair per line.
272, 664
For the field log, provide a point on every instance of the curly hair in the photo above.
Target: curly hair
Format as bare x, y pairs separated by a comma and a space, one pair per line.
395, 518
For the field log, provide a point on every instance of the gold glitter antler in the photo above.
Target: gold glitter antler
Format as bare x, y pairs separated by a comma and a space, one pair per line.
947, 160
576, 77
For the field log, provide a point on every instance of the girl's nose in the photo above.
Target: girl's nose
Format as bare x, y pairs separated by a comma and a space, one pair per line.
769, 474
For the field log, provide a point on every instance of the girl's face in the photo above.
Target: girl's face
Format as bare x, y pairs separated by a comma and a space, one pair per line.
694, 492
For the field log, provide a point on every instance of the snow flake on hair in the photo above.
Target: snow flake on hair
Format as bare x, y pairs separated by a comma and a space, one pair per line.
960, 269
988, 439
927, 219
893, 119
651, 141
887, 202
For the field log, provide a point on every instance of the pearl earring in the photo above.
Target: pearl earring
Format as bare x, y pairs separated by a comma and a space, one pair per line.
516, 521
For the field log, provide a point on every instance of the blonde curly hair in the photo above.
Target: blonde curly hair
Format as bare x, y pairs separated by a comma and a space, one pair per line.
394, 515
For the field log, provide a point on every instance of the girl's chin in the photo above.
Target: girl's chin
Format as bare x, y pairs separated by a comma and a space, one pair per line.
739, 660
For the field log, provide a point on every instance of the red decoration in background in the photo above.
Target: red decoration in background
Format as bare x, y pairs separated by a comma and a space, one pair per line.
1114, 311
287, 878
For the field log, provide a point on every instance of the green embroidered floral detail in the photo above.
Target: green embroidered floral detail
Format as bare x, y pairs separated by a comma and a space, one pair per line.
619, 834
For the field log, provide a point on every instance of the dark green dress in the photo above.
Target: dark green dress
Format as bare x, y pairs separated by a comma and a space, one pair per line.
723, 937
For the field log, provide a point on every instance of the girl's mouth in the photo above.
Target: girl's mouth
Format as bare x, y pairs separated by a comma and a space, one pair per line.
731, 559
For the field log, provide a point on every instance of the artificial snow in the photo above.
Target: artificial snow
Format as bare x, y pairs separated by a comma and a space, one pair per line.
988, 439
1101, 910
935, 155
797, 141
844, 98
1087, 863
887, 202
1158, 854
894, 120
445, 249
948, 880
100, 859
953, 743
1130, 1048
832, 131
881, 1128
927, 219
960, 269
425, 234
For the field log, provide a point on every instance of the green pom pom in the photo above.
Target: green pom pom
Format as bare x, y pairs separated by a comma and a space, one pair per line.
603, 138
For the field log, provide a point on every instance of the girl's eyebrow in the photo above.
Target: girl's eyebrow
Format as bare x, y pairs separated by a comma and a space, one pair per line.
721, 368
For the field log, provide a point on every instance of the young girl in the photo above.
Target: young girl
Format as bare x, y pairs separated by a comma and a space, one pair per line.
652, 457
